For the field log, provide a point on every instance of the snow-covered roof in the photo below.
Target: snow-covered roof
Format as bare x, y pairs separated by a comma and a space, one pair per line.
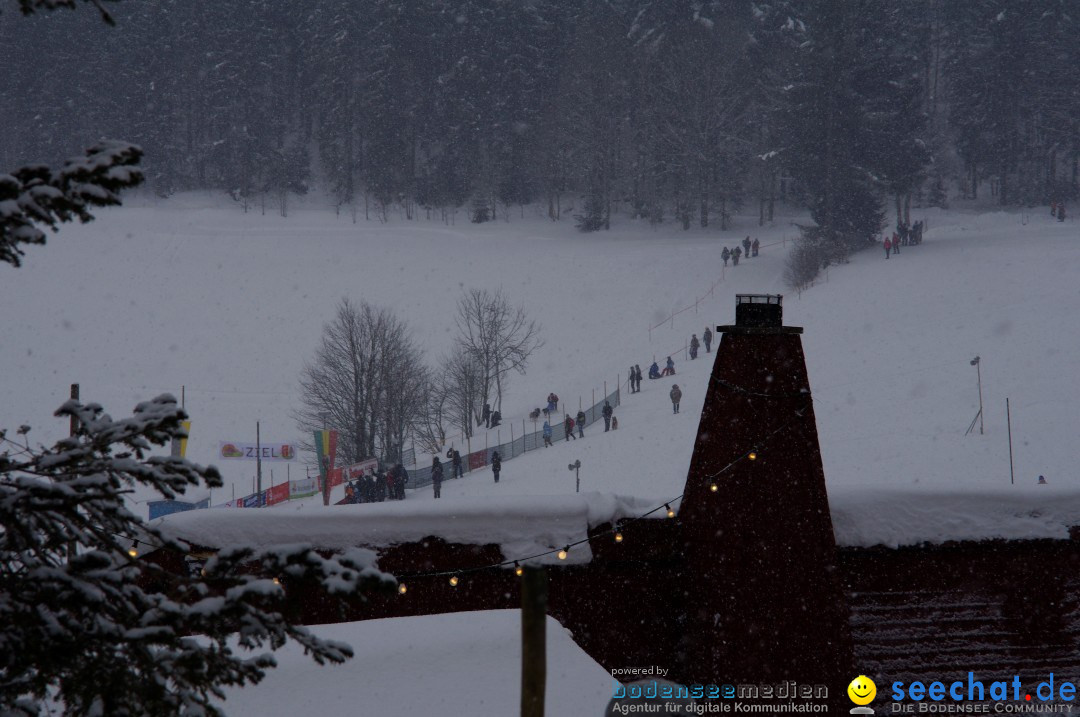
522, 526
874, 516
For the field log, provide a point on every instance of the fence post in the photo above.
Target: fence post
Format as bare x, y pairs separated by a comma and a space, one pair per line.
524, 443
605, 391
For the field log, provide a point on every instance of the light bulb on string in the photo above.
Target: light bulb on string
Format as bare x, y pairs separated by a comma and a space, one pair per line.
133, 552
518, 570
454, 581
670, 512
402, 589
563, 553
618, 537
714, 487
752, 455
277, 582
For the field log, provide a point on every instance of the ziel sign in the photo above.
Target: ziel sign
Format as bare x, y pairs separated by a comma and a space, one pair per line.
250, 451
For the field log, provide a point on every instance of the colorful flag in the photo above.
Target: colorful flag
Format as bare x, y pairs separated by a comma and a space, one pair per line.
179, 446
325, 450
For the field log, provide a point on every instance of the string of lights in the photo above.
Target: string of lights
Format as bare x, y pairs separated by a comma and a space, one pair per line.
455, 576
616, 533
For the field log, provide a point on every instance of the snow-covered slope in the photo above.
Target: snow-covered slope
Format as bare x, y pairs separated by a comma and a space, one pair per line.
149, 298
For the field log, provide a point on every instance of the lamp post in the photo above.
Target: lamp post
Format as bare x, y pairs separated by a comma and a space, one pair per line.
978, 373
576, 467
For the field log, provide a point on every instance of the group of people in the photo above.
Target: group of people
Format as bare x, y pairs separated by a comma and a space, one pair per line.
377, 486
1057, 210
611, 423
748, 249
655, 372
903, 236
695, 344
490, 419
453, 459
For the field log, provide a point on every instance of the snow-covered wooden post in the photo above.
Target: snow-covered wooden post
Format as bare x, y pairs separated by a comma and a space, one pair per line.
533, 641
74, 421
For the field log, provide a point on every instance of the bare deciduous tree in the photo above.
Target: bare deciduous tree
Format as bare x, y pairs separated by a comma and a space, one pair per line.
497, 337
366, 381
431, 433
461, 382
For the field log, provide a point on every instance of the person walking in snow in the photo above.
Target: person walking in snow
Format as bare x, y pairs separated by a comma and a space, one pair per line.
568, 427
693, 346
614, 423
888, 247
402, 479
380, 487
746, 247
637, 377
436, 476
632, 381
485, 416
608, 410
725, 255
581, 424
676, 396
496, 464
707, 338
547, 434
735, 256
391, 484
455, 462
755, 246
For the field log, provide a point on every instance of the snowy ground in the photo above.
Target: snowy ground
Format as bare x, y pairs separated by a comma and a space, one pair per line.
463, 663
196, 293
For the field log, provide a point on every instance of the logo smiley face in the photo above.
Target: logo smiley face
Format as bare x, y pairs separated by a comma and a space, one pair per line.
862, 690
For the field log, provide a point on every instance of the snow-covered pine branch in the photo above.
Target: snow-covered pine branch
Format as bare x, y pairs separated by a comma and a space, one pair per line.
87, 625
36, 195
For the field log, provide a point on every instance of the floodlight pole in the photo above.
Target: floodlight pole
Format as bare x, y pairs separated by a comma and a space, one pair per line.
978, 373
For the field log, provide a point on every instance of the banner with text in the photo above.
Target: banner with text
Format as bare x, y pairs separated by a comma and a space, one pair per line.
252, 451
276, 494
303, 488
358, 469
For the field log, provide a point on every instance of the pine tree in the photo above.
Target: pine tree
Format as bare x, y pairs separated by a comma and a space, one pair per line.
91, 625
